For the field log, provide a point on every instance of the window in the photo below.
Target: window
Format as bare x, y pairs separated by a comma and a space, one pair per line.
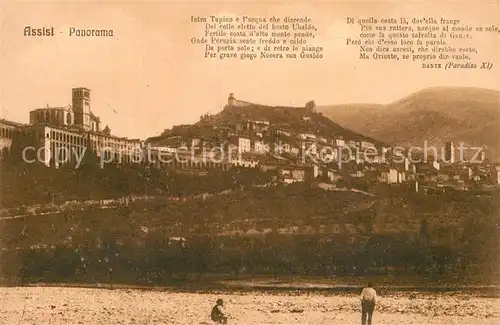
68, 119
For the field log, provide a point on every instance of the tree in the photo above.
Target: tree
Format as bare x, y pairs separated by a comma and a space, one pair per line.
5, 153
89, 158
19, 152
424, 232
201, 249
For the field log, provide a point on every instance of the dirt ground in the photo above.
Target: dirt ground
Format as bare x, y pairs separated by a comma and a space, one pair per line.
53, 305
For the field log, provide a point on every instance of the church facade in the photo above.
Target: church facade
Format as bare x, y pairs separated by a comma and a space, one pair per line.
61, 134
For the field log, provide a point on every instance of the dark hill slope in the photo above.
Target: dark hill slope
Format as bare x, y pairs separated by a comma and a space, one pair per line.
294, 119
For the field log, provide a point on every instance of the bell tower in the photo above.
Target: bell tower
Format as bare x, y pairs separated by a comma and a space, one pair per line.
81, 106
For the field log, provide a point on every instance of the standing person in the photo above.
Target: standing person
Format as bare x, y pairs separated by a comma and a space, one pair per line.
218, 315
368, 299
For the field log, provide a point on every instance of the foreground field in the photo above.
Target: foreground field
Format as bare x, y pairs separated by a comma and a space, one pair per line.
49, 305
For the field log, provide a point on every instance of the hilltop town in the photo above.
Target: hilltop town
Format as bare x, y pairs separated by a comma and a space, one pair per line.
299, 144
295, 144
252, 189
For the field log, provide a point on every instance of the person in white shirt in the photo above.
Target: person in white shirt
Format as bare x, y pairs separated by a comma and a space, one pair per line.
368, 299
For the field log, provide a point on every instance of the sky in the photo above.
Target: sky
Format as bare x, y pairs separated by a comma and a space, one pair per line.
154, 78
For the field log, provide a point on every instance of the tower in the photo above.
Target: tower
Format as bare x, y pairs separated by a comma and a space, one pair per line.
231, 100
310, 106
482, 155
81, 106
449, 152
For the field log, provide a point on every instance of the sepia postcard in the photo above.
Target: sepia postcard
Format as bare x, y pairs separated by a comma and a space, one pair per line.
252, 162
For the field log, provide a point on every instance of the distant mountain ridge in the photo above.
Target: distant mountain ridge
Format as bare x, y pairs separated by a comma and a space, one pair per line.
436, 115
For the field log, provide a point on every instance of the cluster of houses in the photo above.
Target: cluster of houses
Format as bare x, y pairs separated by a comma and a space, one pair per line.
296, 144
297, 150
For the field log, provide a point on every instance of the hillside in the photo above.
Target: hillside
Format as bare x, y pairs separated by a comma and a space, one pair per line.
298, 229
34, 184
435, 115
294, 119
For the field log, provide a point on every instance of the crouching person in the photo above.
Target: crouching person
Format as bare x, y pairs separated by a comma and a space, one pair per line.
218, 314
